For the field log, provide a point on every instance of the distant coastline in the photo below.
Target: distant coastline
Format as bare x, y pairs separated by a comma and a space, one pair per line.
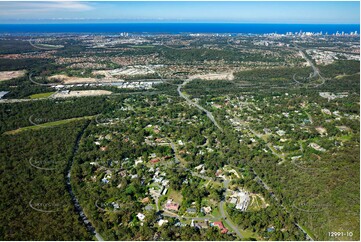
176, 28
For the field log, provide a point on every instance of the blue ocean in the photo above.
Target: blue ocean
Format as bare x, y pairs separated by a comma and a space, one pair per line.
177, 28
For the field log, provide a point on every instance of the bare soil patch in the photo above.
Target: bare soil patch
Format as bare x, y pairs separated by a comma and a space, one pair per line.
72, 80
7, 75
81, 93
214, 76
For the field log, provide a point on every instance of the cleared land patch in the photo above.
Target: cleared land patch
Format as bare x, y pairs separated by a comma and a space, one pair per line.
126, 71
81, 93
41, 95
8, 75
46, 125
214, 76
72, 80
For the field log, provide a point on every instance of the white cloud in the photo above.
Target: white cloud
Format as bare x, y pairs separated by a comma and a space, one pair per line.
34, 8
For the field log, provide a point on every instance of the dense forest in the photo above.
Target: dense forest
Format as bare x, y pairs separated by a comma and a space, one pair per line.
34, 202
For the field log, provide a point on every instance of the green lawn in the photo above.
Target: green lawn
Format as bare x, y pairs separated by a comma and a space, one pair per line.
307, 231
249, 234
46, 125
175, 195
216, 213
154, 185
41, 95
149, 129
245, 233
345, 137
279, 79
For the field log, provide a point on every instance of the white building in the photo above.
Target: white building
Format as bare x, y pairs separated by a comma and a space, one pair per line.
140, 216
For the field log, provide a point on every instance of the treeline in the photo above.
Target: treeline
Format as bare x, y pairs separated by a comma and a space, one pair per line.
15, 46
21, 64
279, 75
343, 67
198, 88
16, 115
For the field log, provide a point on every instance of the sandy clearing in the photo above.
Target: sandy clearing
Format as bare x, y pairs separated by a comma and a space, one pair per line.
71, 80
214, 76
7, 75
81, 80
81, 93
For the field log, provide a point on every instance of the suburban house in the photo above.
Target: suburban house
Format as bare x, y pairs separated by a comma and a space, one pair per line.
155, 160
140, 216
148, 207
201, 224
171, 206
161, 222
206, 210
191, 210
220, 226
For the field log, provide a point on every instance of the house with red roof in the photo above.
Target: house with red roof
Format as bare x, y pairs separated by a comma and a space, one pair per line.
155, 160
172, 206
220, 226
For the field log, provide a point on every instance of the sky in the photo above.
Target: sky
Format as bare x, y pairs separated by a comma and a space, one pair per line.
332, 12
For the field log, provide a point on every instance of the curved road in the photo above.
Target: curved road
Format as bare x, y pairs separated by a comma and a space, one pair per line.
190, 102
224, 212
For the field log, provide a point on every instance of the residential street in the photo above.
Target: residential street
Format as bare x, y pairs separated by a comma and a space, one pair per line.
224, 213
190, 102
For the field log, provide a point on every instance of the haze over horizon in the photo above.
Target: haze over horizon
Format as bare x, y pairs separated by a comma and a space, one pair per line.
182, 12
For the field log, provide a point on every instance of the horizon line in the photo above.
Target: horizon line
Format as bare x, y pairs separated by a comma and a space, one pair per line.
170, 22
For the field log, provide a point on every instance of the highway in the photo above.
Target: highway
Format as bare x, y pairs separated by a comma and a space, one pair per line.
316, 71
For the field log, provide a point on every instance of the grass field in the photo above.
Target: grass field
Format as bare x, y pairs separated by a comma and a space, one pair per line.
41, 95
345, 137
216, 213
46, 125
307, 231
249, 234
245, 233
176, 196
